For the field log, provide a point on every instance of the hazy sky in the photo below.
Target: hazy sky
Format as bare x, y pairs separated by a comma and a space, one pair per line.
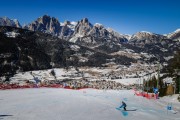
124, 16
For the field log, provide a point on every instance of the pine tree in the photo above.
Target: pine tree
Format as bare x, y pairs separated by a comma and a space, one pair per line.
173, 64
162, 89
152, 83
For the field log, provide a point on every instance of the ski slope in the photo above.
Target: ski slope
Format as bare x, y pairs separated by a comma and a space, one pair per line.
86, 104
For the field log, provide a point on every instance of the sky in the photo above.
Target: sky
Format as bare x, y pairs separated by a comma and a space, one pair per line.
124, 16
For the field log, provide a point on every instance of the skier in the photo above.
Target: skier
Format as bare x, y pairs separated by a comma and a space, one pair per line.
156, 92
123, 105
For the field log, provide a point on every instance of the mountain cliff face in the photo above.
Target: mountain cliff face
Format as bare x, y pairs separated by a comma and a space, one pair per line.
67, 30
83, 27
45, 24
52, 26
92, 35
82, 31
5, 21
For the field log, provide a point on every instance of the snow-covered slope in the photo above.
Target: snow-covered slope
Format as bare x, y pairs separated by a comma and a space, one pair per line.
87, 104
174, 35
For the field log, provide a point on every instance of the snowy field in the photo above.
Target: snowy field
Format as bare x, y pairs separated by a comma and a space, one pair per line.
90, 74
87, 104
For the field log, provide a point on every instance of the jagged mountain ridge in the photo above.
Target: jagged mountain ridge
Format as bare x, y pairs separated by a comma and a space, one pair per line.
106, 40
83, 31
45, 24
68, 30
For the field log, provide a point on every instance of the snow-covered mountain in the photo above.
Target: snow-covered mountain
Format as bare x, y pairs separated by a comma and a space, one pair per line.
146, 36
174, 35
5, 21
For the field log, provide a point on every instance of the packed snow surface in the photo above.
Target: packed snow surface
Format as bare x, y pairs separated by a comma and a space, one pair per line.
85, 104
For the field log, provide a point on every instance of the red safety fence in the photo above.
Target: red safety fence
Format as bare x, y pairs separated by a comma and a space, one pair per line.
146, 94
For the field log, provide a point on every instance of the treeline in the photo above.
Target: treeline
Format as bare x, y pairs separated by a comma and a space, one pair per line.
163, 87
173, 68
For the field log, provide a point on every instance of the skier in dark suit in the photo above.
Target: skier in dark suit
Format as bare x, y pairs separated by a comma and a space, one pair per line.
123, 105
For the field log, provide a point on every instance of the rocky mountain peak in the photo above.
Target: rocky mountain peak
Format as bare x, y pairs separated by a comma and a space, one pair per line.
144, 35
45, 24
83, 27
17, 24
84, 21
44, 19
98, 25
174, 35
5, 21
177, 31
67, 22
67, 30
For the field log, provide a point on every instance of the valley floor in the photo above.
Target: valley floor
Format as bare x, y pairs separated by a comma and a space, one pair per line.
85, 104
